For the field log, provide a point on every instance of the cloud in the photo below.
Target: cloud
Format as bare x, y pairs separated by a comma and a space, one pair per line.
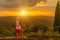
9, 3
51, 3
18, 3
34, 2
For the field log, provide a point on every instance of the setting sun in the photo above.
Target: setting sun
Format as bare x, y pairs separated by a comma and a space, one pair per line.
23, 13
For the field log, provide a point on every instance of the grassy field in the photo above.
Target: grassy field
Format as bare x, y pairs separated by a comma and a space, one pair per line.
33, 27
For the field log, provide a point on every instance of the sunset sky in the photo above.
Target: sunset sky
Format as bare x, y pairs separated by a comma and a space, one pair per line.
45, 8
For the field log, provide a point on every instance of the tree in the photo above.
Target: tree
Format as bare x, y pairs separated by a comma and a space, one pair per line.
57, 17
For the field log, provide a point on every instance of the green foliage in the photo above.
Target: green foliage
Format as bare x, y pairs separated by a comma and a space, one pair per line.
57, 15
57, 18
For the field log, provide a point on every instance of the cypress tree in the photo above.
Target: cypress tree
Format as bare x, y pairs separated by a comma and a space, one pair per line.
57, 18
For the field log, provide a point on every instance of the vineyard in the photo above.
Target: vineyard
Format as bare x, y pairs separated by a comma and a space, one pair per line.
34, 27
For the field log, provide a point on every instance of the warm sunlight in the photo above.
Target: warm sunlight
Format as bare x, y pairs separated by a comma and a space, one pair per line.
23, 13
41, 4
27, 13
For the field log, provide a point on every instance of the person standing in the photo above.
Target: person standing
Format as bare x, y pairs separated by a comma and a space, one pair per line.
19, 30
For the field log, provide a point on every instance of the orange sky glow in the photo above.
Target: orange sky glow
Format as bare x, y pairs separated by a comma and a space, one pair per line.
31, 12
28, 13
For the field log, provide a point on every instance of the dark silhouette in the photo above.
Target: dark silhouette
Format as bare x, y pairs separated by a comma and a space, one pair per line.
57, 18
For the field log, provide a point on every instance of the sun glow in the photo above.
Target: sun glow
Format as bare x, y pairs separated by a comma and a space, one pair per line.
23, 13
